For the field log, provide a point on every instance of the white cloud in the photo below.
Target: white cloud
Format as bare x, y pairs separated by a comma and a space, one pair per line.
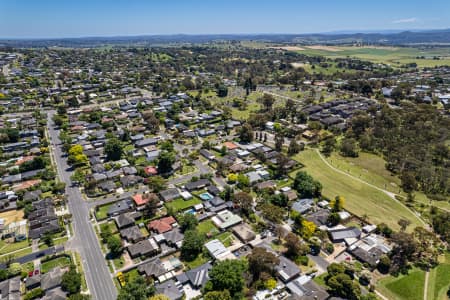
402, 21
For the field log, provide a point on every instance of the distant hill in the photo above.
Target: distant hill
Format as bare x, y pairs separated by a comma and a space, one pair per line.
334, 38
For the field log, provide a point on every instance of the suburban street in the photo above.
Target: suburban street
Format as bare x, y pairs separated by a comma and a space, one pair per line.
98, 277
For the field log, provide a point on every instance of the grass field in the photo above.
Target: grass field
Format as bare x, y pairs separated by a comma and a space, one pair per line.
360, 198
371, 168
180, 204
403, 287
6, 248
102, 212
439, 279
394, 56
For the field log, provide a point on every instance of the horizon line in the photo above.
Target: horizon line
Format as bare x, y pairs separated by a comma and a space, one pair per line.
336, 32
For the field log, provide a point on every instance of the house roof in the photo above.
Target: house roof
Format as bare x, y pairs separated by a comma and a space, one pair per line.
124, 220
287, 269
162, 225
131, 234
173, 290
153, 268
217, 249
345, 233
199, 276
230, 145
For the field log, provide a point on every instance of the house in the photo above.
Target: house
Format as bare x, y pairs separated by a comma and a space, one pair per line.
173, 290
230, 146
226, 219
132, 234
305, 288
130, 180
212, 189
303, 205
218, 251
10, 289
319, 218
146, 142
52, 279
120, 207
244, 232
206, 154
124, 220
174, 238
169, 194
107, 186
341, 234
286, 269
369, 249
162, 225
153, 269
197, 277
140, 200
196, 185
147, 247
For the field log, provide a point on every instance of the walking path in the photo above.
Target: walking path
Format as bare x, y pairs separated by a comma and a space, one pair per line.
425, 288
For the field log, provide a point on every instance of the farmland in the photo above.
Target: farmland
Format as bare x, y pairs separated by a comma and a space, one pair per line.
394, 56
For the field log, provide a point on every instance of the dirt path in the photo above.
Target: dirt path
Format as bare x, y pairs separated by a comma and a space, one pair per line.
390, 194
425, 288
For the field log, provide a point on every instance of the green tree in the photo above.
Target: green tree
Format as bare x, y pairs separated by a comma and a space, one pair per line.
114, 245
71, 281
113, 149
165, 162
187, 222
156, 183
246, 133
306, 185
137, 289
192, 244
260, 260
349, 147
228, 274
218, 295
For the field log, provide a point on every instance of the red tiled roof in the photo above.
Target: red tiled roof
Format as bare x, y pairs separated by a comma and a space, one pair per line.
150, 170
230, 145
24, 159
162, 225
139, 200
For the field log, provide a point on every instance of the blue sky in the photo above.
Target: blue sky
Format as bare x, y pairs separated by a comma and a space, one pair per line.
75, 18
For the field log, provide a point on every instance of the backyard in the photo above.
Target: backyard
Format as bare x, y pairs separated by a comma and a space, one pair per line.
403, 287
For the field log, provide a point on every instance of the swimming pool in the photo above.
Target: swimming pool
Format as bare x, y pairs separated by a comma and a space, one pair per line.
190, 211
206, 196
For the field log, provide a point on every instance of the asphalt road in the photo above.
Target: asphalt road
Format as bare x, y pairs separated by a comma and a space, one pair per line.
36, 255
98, 277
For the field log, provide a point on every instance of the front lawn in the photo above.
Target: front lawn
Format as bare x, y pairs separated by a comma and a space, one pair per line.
102, 212
6, 248
62, 261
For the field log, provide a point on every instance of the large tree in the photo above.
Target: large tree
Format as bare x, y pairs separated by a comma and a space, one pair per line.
306, 185
228, 274
113, 149
192, 244
137, 289
260, 260
246, 133
71, 281
165, 162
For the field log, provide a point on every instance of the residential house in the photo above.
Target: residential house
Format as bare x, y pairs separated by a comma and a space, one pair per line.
147, 247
